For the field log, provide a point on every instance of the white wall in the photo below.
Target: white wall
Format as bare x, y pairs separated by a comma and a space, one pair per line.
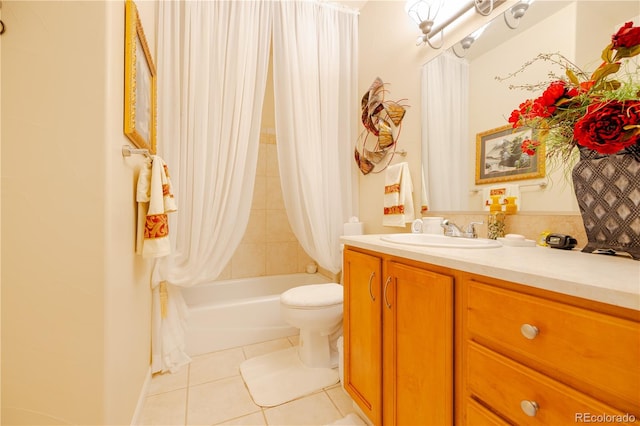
75, 299
386, 37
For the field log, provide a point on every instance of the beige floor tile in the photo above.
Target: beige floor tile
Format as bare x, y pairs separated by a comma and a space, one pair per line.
257, 349
167, 408
313, 410
166, 382
215, 365
341, 399
219, 401
217, 394
255, 419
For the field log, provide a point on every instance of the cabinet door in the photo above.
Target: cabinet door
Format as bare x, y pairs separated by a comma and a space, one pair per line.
362, 332
417, 310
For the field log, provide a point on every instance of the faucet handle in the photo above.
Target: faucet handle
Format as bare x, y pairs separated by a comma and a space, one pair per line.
471, 229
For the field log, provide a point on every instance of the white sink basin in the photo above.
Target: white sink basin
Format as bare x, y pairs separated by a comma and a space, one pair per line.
434, 240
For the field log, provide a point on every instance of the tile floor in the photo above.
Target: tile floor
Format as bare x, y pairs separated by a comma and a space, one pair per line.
210, 391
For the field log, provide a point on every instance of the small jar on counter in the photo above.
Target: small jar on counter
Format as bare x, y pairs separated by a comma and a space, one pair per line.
495, 222
495, 225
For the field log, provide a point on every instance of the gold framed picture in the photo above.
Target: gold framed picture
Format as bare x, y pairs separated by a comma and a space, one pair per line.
499, 157
139, 83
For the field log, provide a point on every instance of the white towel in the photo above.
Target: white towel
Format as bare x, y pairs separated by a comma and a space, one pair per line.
424, 202
154, 195
398, 196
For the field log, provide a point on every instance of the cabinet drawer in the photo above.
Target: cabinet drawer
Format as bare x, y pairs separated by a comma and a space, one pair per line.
596, 353
506, 385
476, 414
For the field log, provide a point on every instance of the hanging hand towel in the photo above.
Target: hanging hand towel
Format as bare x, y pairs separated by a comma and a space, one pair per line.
398, 198
155, 200
424, 203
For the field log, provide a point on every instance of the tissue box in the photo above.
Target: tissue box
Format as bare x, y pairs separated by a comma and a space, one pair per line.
353, 228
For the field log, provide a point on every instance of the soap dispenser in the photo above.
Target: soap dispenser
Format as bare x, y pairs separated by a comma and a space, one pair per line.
495, 222
511, 207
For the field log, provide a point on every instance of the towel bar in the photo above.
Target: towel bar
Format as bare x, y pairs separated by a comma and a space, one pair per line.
127, 151
541, 185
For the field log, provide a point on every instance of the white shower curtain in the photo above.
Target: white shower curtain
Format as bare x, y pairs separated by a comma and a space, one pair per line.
315, 92
445, 140
212, 69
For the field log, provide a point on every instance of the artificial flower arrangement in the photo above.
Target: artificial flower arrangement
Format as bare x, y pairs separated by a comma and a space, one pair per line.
596, 111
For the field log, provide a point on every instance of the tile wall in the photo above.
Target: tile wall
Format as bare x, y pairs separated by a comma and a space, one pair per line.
269, 246
528, 224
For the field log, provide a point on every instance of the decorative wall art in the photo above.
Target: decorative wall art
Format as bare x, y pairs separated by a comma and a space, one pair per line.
500, 158
139, 83
382, 121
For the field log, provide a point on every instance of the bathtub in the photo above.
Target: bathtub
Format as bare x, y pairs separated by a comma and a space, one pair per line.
237, 312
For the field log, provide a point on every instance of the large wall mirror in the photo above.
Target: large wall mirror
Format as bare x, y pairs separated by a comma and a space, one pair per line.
577, 29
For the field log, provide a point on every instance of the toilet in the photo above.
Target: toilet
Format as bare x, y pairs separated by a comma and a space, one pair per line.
315, 309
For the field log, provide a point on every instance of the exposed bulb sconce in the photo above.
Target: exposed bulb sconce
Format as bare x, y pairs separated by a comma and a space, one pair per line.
424, 13
466, 42
512, 16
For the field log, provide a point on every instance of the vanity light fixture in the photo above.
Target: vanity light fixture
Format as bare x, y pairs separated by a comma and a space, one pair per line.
425, 13
512, 16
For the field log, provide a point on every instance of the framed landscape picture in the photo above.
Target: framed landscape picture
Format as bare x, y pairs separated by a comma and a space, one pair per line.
499, 157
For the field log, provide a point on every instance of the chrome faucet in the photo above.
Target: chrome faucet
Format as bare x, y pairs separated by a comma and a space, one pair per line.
453, 230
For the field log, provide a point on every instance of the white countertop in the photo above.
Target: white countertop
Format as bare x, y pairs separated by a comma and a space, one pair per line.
609, 279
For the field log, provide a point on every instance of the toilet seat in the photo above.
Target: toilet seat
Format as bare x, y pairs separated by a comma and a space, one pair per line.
313, 296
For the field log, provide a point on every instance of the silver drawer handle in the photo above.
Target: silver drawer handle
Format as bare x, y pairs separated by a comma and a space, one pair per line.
529, 331
373, 298
386, 284
530, 408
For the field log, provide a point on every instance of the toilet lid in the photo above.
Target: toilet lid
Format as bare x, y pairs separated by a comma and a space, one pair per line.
313, 295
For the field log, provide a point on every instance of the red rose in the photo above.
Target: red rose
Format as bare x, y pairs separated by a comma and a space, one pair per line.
602, 127
547, 104
529, 147
526, 111
585, 86
627, 36
553, 93
515, 118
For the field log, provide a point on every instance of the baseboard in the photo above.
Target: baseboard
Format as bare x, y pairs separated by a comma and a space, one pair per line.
141, 398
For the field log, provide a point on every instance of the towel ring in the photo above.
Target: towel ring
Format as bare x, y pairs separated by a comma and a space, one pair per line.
2, 28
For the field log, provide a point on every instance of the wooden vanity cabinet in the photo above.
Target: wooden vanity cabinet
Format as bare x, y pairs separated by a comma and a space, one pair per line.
428, 345
398, 328
362, 331
533, 357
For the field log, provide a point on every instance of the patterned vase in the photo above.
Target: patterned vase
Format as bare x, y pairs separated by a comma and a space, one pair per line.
607, 188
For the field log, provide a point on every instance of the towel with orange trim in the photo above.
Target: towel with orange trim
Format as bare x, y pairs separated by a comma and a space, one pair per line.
154, 195
398, 196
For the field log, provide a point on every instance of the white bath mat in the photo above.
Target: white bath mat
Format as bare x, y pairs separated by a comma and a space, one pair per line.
279, 377
351, 419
